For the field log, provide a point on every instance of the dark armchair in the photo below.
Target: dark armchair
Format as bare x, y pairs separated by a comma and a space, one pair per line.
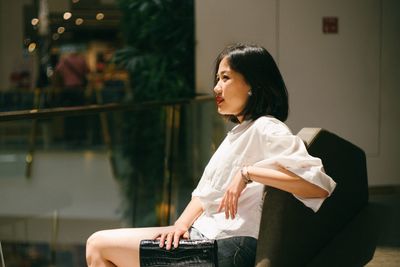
341, 233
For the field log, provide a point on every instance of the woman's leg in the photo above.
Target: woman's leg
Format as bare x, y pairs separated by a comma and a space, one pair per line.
118, 247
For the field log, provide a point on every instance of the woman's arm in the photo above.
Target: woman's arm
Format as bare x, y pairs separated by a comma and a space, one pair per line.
180, 228
286, 181
279, 178
190, 214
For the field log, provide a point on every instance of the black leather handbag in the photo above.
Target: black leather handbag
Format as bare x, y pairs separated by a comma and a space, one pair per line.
194, 252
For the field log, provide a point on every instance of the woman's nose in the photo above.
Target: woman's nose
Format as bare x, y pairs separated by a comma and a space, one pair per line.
217, 88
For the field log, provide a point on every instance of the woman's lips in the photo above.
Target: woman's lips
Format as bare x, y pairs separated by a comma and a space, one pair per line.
219, 99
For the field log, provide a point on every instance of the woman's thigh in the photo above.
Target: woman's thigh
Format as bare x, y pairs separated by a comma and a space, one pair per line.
121, 246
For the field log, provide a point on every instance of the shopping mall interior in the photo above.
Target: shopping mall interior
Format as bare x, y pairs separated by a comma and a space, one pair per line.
108, 118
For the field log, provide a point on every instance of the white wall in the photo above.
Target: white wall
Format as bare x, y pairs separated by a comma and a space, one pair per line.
223, 22
345, 82
333, 79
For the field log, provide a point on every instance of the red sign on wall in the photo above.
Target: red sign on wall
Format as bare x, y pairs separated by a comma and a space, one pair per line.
330, 25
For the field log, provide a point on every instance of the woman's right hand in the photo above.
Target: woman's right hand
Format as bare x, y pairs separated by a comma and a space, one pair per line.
172, 234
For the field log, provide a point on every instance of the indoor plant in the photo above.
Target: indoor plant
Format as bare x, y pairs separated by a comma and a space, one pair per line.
159, 56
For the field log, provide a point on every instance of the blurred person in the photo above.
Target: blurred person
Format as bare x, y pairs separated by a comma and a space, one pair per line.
73, 70
260, 150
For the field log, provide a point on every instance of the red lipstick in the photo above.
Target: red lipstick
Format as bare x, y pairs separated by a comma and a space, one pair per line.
219, 99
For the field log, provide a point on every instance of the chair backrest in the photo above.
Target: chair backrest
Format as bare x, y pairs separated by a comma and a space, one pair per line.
292, 234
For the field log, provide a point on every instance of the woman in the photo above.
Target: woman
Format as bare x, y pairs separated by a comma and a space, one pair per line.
260, 150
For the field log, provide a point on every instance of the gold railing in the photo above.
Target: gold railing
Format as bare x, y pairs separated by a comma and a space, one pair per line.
95, 109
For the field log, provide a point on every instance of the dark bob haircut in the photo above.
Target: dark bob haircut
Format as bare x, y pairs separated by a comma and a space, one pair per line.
269, 94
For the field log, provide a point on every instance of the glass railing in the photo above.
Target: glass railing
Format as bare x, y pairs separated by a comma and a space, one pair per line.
103, 92
68, 172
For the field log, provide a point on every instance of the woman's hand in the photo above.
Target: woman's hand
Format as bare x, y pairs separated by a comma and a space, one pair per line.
180, 229
173, 234
230, 199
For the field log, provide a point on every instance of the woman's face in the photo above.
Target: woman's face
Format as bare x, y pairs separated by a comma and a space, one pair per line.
231, 90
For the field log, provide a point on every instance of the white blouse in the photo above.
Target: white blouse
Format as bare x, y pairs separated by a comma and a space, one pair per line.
265, 142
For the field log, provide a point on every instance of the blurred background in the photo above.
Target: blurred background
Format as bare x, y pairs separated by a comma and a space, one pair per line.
107, 117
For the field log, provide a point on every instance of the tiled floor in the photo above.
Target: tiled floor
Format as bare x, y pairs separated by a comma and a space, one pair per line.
385, 257
387, 254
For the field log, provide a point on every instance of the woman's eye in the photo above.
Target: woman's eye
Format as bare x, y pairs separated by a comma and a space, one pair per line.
221, 77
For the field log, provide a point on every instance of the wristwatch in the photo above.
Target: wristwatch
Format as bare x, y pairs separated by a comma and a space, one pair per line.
245, 175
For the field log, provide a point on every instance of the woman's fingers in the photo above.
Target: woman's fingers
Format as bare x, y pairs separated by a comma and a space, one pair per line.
169, 240
228, 205
176, 239
162, 239
229, 202
235, 204
172, 237
232, 208
222, 204
186, 235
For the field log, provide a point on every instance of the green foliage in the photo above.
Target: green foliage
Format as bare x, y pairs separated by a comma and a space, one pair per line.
160, 48
159, 56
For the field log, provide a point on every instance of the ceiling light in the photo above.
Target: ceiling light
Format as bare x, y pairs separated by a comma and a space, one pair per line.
61, 30
78, 21
56, 36
35, 21
99, 16
67, 15
31, 47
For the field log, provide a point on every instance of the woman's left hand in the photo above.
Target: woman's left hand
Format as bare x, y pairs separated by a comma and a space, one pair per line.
230, 199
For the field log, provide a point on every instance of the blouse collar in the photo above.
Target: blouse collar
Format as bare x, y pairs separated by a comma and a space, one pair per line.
238, 129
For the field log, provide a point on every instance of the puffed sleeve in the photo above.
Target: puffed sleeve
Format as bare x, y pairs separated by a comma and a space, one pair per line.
284, 149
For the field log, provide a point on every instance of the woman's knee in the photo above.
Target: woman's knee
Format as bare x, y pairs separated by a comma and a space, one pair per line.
94, 244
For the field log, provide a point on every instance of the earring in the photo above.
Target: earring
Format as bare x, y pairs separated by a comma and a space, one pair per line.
250, 93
